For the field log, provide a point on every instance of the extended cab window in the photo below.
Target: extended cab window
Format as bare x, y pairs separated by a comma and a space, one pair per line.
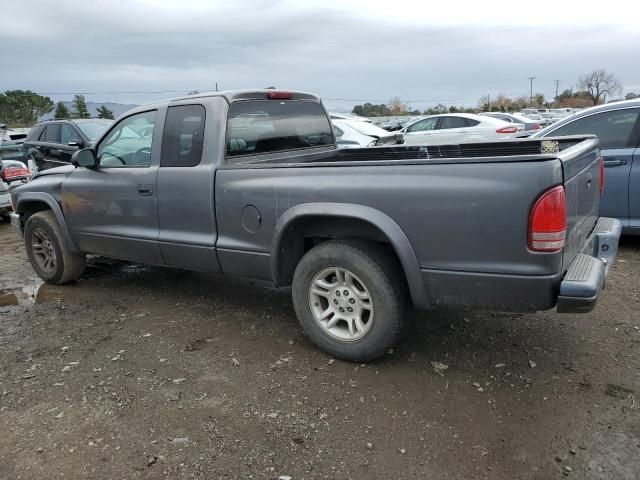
129, 143
614, 128
266, 126
183, 136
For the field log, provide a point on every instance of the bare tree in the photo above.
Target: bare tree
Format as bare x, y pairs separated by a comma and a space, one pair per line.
397, 106
598, 84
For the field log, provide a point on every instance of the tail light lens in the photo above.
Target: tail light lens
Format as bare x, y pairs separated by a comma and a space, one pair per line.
10, 174
601, 175
536, 127
507, 130
548, 223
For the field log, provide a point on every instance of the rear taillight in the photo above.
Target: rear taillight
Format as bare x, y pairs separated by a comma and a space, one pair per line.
548, 223
601, 175
10, 174
507, 130
536, 127
279, 95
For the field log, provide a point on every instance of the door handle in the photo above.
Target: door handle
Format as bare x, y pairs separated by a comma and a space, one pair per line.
614, 163
145, 189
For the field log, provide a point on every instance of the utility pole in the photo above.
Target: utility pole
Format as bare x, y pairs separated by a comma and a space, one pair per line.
216, 86
531, 93
557, 83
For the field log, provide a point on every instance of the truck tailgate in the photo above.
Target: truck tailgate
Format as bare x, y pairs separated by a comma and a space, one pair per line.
581, 166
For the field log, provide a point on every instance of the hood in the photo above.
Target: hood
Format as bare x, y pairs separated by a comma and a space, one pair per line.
64, 170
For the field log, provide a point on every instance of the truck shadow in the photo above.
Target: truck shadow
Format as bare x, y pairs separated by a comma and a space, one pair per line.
469, 339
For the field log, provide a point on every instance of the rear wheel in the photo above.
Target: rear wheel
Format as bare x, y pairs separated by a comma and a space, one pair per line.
349, 296
49, 253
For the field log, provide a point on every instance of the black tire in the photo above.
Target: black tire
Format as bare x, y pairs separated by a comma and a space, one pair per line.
379, 271
67, 265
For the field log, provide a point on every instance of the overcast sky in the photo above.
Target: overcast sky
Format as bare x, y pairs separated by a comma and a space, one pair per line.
361, 50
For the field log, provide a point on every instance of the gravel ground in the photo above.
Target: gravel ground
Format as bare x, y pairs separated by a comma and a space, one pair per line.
137, 372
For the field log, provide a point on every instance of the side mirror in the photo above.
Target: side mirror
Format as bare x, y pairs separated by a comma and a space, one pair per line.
84, 158
76, 143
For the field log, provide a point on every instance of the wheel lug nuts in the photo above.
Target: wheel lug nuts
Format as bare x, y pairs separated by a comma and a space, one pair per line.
352, 301
349, 309
335, 301
346, 293
341, 309
337, 293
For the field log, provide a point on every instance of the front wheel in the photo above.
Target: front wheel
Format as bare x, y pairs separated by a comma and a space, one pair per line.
50, 255
349, 296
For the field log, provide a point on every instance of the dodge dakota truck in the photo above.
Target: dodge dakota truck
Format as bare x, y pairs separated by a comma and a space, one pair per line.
250, 183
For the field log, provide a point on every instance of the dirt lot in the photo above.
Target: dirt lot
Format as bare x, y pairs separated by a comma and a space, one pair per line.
137, 372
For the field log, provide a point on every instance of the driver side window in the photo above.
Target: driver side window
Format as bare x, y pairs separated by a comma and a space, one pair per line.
129, 143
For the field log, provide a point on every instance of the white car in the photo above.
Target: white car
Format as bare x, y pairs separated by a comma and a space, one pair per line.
357, 134
349, 116
449, 129
11, 137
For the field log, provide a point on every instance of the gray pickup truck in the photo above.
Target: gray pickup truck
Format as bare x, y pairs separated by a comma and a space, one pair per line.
250, 183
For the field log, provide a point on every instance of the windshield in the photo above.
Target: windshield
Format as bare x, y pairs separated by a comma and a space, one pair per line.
93, 129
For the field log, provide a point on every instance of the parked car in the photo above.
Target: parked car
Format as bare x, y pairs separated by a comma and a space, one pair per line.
11, 172
458, 128
9, 137
617, 125
359, 234
50, 144
357, 134
529, 124
349, 116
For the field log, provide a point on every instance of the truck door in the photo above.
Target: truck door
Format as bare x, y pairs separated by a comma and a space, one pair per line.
186, 177
111, 210
616, 131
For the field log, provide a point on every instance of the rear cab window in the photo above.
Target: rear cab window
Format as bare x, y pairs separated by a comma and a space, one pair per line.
266, 126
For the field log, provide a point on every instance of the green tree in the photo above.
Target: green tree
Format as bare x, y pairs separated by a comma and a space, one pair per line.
438, 109
61, 111
104, 112
21, 108
80, 107
371, 110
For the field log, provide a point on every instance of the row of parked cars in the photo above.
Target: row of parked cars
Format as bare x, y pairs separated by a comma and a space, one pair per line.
251, 183
617, 125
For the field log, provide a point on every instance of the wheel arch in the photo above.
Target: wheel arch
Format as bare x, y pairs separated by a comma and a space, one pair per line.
31, 202
288, 240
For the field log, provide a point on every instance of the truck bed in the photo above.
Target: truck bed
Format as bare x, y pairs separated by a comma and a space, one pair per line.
465, 210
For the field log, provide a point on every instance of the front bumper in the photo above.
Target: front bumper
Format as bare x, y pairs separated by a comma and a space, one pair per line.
586, 275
